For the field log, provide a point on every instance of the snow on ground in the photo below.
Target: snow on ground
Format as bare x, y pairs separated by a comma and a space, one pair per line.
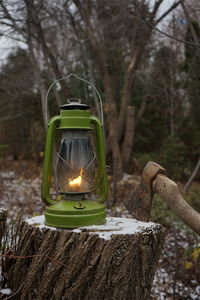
22, 198
6, 291
171, 278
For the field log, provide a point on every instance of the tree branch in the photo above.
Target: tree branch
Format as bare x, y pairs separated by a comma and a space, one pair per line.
167, 12
167, 34
14, 116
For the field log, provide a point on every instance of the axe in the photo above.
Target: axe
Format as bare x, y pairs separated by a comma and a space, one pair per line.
154, 180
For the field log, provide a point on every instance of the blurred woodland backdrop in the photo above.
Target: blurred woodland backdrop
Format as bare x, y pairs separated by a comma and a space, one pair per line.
143, 59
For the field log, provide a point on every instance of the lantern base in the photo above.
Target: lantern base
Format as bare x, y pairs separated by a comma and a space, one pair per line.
72, 214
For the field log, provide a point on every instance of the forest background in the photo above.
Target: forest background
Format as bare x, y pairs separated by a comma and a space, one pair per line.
144, 58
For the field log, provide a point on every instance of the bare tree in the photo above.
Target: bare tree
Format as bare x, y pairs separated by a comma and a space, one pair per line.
118, 42
111, 38
29, 21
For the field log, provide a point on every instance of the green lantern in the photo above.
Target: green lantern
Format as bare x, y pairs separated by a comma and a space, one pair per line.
80, 170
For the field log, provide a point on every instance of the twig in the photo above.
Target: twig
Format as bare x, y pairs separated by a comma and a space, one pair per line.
14, 116
166, 34
32, 256
191, 178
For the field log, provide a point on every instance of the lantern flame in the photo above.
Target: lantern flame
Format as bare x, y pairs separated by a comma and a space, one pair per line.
76, 182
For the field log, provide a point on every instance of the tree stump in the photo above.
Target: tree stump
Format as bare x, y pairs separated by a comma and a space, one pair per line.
112, 261
3, 218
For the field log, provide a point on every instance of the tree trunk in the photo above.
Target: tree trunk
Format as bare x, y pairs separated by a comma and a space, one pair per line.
38, 32
126, 95
114, 144
39, 81
112, 261
3, 218
129, 137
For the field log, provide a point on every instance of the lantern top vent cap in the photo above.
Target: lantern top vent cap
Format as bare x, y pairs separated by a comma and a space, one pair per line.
74, 104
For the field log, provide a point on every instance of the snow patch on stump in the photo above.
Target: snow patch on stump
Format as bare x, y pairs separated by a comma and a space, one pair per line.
113, 226
6, 291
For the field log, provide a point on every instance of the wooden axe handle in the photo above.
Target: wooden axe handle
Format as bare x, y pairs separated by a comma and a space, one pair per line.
169, 191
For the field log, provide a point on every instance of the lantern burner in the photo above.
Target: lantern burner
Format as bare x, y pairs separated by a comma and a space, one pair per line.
75, 183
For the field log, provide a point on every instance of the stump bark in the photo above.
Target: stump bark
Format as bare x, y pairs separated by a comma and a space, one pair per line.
112, 261
3, 218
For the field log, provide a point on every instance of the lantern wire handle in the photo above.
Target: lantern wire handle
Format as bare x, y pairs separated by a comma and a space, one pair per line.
84, 80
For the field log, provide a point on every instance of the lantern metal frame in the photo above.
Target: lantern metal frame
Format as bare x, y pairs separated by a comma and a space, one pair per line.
73, 213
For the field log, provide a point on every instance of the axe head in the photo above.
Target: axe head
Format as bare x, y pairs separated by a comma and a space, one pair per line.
139, 201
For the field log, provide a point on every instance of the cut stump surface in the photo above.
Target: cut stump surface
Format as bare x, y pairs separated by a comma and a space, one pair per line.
112, 261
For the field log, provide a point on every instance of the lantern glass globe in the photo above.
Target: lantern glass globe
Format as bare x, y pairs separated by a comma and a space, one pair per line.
75, 165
